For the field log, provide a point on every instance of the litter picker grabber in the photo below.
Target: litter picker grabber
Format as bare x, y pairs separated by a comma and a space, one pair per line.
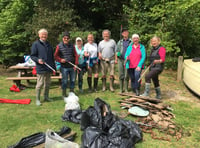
49, 66
73, 65
144, 72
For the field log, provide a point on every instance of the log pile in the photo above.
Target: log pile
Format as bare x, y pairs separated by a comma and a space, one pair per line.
160, 116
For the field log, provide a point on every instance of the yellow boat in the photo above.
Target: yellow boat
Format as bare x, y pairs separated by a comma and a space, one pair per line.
191, 75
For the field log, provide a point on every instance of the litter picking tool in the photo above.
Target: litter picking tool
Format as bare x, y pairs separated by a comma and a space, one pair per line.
73, 65
144, 73
49, 66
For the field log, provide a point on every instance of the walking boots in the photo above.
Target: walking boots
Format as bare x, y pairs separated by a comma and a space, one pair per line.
112, 84
147, 89
38, 97
64, 93
121, 85
95, 84
126, 85
46, 95
89, 80
103, 84
158, 93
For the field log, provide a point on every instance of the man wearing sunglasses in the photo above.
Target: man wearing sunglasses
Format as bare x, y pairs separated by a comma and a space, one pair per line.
65, 54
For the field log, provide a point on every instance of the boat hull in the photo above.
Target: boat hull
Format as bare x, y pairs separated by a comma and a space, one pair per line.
191, 75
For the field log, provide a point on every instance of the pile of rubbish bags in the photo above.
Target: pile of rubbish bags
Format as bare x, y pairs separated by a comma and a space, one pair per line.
102, 129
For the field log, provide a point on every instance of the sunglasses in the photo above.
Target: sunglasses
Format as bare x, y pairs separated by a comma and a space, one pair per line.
66, 38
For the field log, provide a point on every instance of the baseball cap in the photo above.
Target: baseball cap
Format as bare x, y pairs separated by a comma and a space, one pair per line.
78, 39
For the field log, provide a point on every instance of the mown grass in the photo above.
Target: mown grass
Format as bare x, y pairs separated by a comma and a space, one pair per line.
18, 121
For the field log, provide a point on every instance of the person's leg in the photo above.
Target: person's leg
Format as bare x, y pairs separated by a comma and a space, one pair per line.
148, 78
64, 81
96, 75
47, 82
136, 83
80, 81
40, 82
156, 84
104, 72
131, 75
72, 79
89, 79
126, 83
112, 66
121, 72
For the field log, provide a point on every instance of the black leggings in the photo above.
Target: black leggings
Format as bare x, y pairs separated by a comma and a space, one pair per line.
153, 74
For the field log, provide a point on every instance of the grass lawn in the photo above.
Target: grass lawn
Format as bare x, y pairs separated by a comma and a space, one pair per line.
18, 121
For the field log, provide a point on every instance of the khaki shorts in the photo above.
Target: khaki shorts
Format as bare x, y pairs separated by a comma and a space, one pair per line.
94, 69
107, 66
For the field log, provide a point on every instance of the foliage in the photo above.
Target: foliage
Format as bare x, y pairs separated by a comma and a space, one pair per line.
13, 37
60, 19
175, 22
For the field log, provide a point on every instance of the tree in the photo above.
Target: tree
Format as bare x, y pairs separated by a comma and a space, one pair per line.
176, 22
13, 38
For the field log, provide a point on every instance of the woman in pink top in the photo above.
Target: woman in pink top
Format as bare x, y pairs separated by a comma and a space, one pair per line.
135, 56
157, 59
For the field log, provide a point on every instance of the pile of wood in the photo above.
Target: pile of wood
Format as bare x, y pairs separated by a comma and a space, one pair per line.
160, 116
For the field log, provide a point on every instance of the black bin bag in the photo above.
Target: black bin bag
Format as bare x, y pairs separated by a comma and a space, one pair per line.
102, 129
37, 138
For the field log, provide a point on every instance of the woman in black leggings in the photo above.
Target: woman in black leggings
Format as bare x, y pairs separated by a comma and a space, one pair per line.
157, 59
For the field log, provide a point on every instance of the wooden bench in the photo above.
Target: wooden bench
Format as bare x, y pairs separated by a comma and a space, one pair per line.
30, 78
17, 80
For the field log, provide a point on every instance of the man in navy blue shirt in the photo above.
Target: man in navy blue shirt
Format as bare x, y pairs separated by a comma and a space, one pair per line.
41, 53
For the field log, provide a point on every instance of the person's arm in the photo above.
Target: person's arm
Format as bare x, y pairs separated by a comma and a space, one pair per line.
162, 53
57, 56
99, 51
76, 56
115, 51
143, 55
34, 53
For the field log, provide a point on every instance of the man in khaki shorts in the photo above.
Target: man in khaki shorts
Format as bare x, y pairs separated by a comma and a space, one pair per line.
107, 49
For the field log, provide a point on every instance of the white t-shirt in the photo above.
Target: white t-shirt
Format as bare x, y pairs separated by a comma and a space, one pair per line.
91, 49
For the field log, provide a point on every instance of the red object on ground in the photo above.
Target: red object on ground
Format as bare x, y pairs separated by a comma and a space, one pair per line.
34, 72
14, 88
18, 101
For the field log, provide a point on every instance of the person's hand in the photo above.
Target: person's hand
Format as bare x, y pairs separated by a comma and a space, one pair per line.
128, 58
74, 68
157, 61
54, 73
115, 61
100, 57
40, 61
138, 68
63, 61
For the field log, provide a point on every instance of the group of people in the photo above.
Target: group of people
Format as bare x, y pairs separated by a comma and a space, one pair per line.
129, 54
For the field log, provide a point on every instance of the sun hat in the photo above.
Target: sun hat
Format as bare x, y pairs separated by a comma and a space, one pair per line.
78, 39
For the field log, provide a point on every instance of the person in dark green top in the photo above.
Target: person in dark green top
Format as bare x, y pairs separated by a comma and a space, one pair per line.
122, 46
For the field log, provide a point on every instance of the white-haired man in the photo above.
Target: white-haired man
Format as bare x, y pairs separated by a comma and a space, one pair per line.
41, 53
107, 49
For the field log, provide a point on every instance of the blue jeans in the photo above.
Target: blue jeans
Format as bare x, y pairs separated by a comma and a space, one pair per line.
80, 77
134, 75
68, 73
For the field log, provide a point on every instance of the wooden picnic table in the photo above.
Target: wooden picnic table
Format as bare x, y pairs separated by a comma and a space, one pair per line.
25, 73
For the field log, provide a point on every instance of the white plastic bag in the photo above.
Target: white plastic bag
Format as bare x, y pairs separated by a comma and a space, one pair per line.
72, 102
53, 140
